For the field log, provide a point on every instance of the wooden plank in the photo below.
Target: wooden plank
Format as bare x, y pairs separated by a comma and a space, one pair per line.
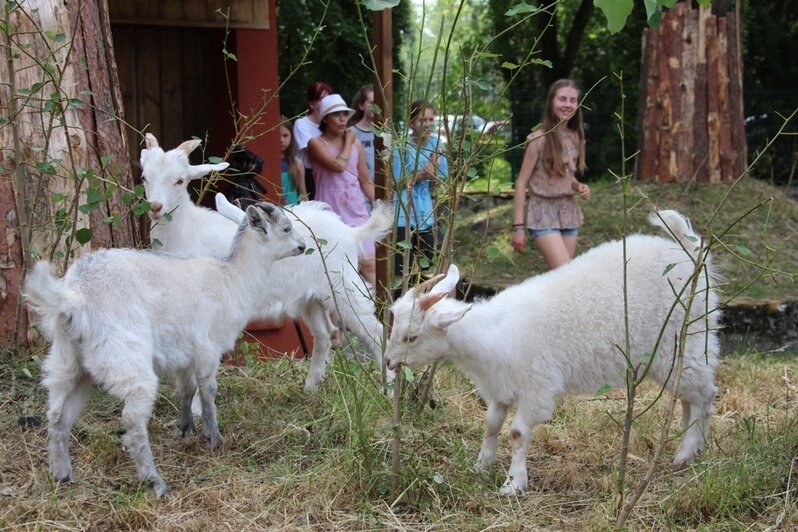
737, 116
148, 9
125, 53
663, 98
148, 73
196, 97
240, 11
724, 112
260, 13
172, 55
700, 134
195, 11
650, 120
171, 11
122, 8
713, 120
251, 14
689, 59
675, 73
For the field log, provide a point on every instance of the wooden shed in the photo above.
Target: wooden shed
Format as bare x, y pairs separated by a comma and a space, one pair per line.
190, 68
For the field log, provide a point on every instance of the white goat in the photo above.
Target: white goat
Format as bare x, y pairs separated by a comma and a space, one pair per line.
563, 333
178, 225
311, 287
123, 318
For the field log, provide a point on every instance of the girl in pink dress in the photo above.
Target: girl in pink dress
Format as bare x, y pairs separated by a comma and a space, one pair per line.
341, 175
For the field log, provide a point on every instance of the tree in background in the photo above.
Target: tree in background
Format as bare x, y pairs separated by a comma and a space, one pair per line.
315, 43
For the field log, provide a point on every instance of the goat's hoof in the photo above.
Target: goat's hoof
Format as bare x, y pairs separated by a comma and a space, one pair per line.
482, 465
311, 387
61, 474
158, 487
511, 488
213, 440
187, 431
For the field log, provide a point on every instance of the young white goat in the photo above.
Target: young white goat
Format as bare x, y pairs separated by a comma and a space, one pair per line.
311, 287
123, 318
563, 333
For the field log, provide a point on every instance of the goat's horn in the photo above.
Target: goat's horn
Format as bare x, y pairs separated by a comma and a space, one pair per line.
420, 289
150, 141
189, 146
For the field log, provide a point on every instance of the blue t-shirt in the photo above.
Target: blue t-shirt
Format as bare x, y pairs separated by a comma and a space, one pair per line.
408, 159
290, 193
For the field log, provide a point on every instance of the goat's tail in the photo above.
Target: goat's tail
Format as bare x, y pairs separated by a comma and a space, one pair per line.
679, 227
44, 294
379, 223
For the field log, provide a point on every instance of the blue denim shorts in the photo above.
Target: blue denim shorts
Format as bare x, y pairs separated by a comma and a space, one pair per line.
534, 233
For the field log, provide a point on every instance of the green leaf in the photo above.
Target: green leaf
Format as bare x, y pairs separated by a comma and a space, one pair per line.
409, 375
604, 389
215, 160
704, 3
521, 8
616, 11
322, 242
127, 197
57, 197
542, 62
104, 160
743, 250
27, 373
404, 244
424, 263
229, 55
472, 173
83, 235
141, 208
309, 251
57, 38
92, 195
494, 252
508, 65
668, 268
379, 5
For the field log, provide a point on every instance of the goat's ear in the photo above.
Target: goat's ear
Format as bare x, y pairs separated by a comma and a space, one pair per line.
449, 282
426, 302
199, 170
228, 210
272, 211
256, 217
189, 146
150, 141
441, 318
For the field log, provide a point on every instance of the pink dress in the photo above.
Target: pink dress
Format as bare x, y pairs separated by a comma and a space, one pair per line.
342, 192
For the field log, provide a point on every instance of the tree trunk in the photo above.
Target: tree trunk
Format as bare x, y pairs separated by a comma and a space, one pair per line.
64, 167
691, 97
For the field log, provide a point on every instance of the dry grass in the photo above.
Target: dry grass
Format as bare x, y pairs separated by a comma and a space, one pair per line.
483, 251
292, 461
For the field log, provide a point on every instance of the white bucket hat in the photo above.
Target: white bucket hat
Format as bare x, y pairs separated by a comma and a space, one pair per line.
333, 103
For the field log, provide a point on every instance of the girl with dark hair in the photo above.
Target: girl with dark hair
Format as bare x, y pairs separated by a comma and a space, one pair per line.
307, 127
554, 155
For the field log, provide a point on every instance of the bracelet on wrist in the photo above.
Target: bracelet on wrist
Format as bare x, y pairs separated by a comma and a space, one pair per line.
518, 229
344, 159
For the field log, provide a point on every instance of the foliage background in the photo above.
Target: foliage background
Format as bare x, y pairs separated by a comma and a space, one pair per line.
576, 42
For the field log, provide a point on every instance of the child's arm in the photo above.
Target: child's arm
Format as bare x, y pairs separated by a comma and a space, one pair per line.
299, 179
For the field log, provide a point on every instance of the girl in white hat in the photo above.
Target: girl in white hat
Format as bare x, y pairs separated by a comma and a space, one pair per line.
341, 175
